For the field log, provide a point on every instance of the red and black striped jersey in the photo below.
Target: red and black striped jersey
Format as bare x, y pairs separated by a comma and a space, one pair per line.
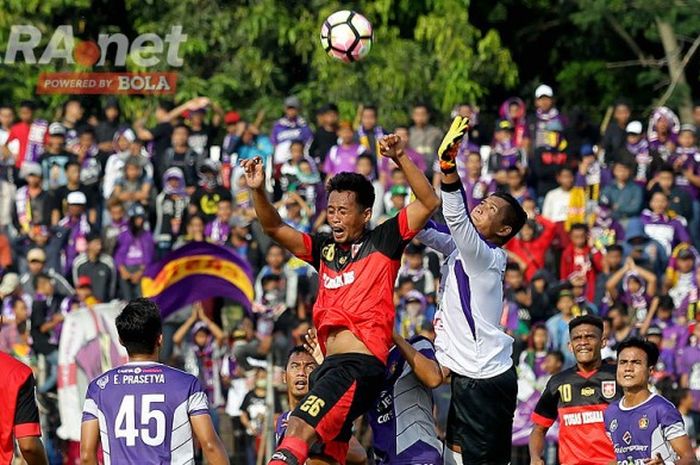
356, 282
19, 416
578, 399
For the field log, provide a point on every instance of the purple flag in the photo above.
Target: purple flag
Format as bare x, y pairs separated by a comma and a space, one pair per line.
196, 271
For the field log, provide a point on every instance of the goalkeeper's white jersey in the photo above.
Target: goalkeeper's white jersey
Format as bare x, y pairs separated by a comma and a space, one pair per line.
469, 339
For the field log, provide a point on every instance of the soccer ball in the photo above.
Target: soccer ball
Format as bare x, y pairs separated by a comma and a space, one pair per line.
346, 36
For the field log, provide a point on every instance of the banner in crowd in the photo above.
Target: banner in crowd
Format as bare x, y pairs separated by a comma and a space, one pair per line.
196, 271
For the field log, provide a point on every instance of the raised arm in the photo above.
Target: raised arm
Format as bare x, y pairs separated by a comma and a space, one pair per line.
269, 218
427, 202
437, 237
427, 370
473, 249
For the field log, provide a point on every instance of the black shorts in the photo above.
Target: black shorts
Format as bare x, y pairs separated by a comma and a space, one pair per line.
480, 421
343, 388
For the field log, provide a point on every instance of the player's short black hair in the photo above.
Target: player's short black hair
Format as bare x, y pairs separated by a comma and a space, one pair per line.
649, 348
296, 350
353, 182
513, 215
139, 326
580, 226
615, 248
666, 302
558, 354
586, 320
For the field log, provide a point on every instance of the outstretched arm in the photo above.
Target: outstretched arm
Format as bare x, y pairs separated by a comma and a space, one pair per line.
427, 202
427, 371
269, 218
437, 237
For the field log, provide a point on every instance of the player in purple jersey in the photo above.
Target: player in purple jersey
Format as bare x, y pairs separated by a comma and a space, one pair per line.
645, 428
300, 364
145, 412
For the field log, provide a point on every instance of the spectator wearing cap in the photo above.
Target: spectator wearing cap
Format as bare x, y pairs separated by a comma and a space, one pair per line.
591, 175
686, 164
638, 154
616, 132
59, 207
342, 157
135, 249
108, 127
326, 135
645, 251
412, 315
171, 210
505, 153
99, 267
36, 264
288, 128
624, 196
29, 134
134, 186
84, 296
423, 136
234, 131
32, 202
181, 155
205, 200
545, 113
73, 229
55, 158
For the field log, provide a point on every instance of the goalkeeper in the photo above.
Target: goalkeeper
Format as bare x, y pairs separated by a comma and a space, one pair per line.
469, 341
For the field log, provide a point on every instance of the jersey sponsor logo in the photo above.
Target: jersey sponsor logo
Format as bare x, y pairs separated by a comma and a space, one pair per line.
609, 388
633, 448
644, 422
335, 282
582, 418
102, 382
627, 437
587, 391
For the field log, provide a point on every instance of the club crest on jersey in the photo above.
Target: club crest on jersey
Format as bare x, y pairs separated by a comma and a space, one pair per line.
328, 252
644, 422
587, 391
102, 382
609, 388
613, 425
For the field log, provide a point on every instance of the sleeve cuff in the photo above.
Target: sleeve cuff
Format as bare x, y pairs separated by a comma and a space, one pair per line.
27, 430
450, 187
542, 421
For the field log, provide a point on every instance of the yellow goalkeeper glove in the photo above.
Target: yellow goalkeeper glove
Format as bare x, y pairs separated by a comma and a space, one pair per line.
450, 144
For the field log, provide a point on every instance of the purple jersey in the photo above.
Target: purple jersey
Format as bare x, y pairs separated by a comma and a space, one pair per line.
641, 432
688, 361
402, 419
143, 409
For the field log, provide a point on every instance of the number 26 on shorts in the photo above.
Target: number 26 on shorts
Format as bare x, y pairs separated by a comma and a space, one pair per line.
312, 405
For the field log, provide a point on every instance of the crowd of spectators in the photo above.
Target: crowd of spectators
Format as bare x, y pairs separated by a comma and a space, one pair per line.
88, 200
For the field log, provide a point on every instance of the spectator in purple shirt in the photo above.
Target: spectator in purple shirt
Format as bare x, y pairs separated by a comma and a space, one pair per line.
662, 132
289, 128
342, 157
667, 231
134, 251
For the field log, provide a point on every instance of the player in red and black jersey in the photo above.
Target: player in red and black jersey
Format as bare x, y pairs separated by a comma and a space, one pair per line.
354, 311
19, 416
578, 397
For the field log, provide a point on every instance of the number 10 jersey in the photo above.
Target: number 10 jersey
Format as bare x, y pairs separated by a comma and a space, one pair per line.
144, 410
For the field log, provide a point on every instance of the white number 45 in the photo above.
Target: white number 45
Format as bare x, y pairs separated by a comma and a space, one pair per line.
125, 423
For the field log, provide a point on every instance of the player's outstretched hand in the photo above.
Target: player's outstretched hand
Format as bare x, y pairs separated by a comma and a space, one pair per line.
391, 146
447, 152
312, 346
254, 173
